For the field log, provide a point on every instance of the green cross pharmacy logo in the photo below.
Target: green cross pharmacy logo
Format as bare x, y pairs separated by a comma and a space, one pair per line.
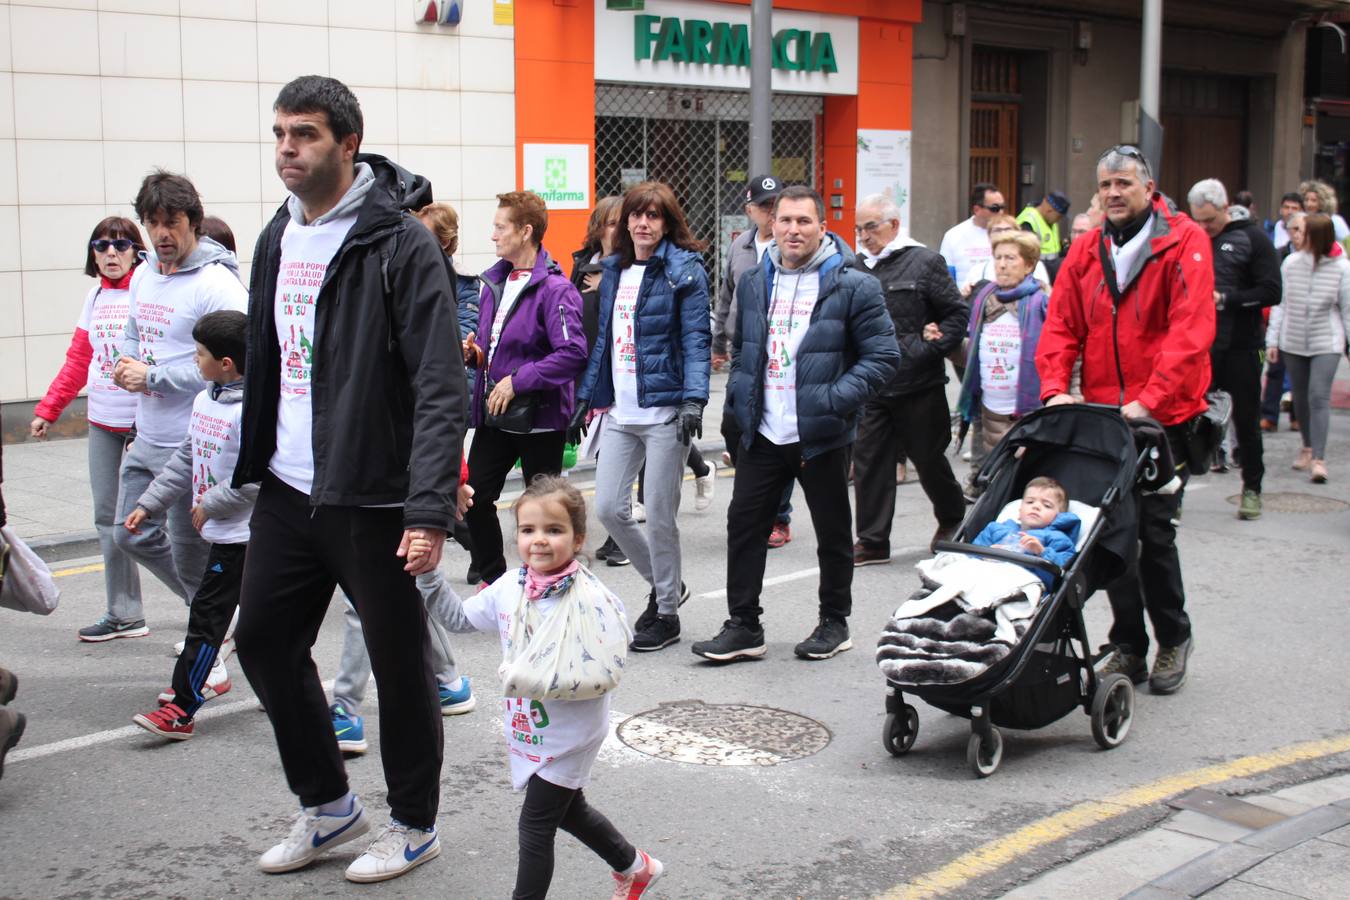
555, 173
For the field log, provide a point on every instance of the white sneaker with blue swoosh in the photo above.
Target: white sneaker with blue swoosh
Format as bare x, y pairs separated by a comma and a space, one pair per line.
398, 849
314, 833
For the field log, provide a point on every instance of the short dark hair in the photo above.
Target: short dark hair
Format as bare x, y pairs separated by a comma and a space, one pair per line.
112, 228
218, 230
978, 190
170, 194
1245, 198
319, 93
224, 334
800, 192
1292, 197
526, 208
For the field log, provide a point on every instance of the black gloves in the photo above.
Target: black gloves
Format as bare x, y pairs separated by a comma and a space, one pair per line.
690, 418
577, 427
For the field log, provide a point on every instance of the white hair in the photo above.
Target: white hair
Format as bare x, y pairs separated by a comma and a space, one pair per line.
1208, 190
884, 204
1115, 161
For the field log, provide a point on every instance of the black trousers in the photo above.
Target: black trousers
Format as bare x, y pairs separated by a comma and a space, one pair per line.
1239, 373
491, 457
297, 556
1153, 582
208, 619
547, 808
918, 427
762, 471
731, 433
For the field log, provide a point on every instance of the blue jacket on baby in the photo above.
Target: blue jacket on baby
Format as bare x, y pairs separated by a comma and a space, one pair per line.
1060, 539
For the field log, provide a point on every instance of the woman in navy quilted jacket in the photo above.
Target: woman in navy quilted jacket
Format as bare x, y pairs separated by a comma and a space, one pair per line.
648, 372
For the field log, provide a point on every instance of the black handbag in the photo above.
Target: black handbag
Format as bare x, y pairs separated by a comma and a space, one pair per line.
517, 418
1207, 431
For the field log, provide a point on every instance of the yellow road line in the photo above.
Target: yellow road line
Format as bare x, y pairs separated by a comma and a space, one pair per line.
78, 570
992, 856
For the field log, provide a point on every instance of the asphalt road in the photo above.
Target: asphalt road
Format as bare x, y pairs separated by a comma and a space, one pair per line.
111, 813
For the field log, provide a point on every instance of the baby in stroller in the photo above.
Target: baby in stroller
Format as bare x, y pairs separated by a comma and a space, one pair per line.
972, 611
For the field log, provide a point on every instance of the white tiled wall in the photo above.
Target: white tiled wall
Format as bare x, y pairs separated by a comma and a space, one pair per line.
96, 93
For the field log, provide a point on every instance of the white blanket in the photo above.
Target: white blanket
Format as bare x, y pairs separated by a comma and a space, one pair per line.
979, 585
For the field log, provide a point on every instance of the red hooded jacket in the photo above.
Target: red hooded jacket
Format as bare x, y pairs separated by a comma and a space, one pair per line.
1154, 347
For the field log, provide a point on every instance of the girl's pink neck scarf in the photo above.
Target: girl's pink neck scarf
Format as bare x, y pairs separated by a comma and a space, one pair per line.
539, 584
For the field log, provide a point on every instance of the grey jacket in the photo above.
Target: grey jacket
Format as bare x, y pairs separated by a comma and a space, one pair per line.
1315, 315
221, 501
741, 257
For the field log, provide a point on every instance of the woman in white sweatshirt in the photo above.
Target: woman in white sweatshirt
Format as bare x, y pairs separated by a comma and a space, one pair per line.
1308, 331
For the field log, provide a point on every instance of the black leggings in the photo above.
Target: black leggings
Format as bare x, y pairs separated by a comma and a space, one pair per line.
547, 808
696, 465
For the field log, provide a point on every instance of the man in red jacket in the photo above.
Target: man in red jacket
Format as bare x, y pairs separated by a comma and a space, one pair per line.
1135, 300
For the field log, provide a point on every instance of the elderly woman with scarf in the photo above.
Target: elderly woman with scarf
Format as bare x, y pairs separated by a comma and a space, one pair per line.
1001, 383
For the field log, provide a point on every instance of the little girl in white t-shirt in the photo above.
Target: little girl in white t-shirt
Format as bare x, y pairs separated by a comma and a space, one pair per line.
553, 744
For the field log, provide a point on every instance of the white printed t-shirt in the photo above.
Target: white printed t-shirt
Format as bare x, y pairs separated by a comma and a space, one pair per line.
965, 246
104, 317
558, 740
166, 308
214, 428
306, 251
794, 298
511, 290
623, 354
1000, 357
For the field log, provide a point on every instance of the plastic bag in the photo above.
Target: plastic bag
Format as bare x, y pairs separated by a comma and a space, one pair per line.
28, 584
577, 651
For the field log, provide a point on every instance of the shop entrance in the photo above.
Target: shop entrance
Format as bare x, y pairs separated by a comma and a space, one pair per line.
698, 142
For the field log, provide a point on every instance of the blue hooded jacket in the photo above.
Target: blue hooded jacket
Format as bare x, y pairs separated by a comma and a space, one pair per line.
1059, 538
671, 327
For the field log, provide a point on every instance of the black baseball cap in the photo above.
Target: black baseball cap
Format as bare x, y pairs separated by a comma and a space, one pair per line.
763, 188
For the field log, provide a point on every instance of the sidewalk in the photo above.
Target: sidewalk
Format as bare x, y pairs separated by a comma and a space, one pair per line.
49, 504
1290, 843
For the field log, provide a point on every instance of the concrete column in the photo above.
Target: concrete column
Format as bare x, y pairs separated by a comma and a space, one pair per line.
1287, 157
761, 87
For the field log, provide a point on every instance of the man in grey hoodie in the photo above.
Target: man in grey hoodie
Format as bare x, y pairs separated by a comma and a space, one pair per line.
186, 276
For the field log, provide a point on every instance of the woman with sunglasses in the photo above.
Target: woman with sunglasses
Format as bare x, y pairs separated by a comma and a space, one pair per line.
113, 252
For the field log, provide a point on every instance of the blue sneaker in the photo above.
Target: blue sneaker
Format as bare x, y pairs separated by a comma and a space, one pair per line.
457, 698
350, 730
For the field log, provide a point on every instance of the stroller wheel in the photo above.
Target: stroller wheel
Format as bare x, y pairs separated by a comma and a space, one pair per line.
1112, 710
899, 731
984, 756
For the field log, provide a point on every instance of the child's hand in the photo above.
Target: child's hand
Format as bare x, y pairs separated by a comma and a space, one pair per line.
422, 548
463, 500
133, 522
199, 517
1032, 545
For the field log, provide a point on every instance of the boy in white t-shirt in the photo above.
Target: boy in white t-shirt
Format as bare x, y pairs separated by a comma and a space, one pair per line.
202, 468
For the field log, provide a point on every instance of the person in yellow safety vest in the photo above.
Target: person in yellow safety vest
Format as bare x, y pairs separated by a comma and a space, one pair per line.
1042, 220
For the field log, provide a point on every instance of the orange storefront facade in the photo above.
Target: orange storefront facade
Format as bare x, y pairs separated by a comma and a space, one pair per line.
606, 97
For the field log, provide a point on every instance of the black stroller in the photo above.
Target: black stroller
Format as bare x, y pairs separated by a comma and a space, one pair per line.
1091, 450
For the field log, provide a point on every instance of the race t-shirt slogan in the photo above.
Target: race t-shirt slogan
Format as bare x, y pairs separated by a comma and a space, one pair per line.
623, 353
794, 298
1000, 355
306, 251
214, 429
103, 318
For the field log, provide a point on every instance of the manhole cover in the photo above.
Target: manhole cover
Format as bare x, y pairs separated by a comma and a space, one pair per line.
1290, 502
723, 734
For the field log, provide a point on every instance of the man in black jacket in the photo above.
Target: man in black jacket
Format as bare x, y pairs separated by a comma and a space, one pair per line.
354, 405
1246, 279
911, 416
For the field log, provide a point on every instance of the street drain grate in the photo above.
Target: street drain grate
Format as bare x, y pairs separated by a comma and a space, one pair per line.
723, 734
1290, 502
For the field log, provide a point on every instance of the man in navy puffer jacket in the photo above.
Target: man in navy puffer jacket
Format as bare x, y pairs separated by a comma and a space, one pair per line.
813, 343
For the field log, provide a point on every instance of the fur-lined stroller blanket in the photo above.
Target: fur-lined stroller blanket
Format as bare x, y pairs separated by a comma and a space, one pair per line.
974, 613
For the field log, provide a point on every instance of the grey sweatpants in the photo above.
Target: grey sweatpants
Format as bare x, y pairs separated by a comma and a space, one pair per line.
170, 548
1311, 378
349, 687
623, 449
121, 578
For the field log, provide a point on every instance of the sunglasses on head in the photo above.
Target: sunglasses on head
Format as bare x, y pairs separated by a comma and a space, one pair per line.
121, 245
1128, 150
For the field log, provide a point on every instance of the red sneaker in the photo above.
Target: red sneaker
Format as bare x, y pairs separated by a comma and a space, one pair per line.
168, 722
630, 887
780, 535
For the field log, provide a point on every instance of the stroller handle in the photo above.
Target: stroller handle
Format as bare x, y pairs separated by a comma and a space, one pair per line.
1021, 559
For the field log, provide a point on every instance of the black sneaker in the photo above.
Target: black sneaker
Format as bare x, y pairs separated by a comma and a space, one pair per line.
9, 685
603, 550
107, 630
735, 641
644, 621
660, 632
829, 638
473, 576
615, 556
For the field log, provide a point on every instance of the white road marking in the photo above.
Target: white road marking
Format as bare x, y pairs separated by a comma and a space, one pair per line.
803, 573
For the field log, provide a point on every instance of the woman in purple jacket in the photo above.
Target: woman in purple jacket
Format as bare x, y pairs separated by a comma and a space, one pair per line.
531, 347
